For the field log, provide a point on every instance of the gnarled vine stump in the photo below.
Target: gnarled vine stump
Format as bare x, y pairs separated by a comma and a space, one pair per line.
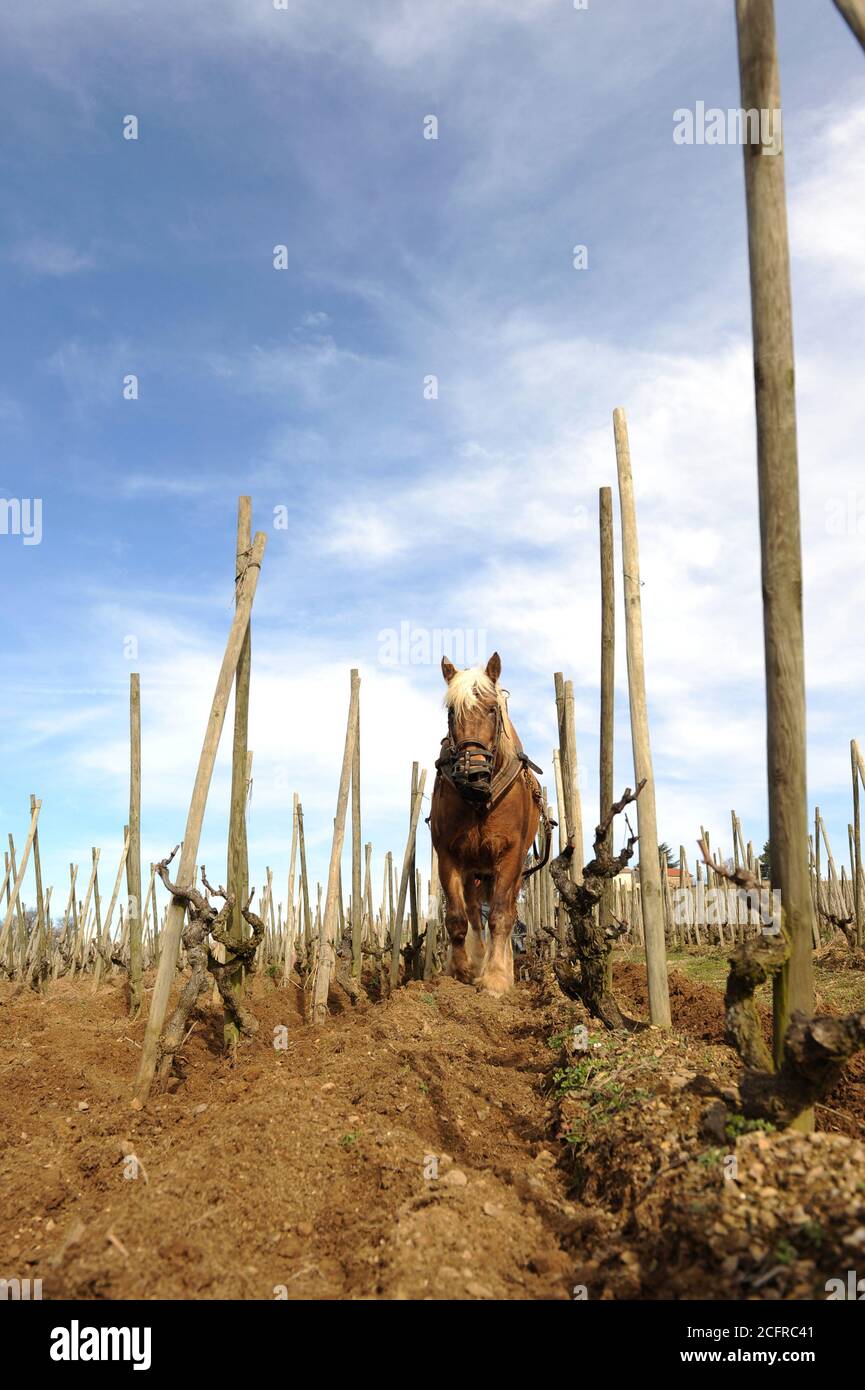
584, 976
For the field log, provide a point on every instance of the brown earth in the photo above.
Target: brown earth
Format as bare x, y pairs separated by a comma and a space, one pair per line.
309, 1172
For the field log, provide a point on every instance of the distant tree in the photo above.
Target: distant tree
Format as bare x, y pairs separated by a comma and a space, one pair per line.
665, 850
766, 861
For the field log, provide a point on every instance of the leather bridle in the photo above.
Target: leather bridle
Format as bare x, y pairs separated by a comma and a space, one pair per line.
470, 766
470, 763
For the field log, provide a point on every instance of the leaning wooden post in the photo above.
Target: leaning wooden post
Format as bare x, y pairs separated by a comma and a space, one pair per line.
133, 854
608, 678
35, 808
356, 889
327, 929
650, 868
247, 585
780, 542
238, 860
407, 862
854, 13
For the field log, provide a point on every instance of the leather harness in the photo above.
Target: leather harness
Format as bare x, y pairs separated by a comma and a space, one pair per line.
469, 766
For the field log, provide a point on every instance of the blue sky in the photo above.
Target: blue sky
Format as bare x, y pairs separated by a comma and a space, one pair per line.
475, 511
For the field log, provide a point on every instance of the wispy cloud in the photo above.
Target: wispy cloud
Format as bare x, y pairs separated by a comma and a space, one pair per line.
45, 256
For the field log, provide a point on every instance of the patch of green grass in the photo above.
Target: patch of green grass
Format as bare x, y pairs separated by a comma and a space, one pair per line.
574, 1077
737, 1124
785, 1253
430, 999
603, 1101
812, 1232
710, 1157
348, 1141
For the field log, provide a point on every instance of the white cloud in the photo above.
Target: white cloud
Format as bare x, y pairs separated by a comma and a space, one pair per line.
47, 256
827, 206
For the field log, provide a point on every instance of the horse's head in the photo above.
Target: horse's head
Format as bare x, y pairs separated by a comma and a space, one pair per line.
476, 717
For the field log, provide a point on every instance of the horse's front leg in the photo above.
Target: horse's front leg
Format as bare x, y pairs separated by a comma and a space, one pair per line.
475, 948
456, 921
497, 976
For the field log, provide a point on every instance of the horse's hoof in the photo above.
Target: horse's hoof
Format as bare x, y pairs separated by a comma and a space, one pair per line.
496, 985
465, 977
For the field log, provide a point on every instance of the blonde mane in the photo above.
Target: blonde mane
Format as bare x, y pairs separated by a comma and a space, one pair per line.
472, 687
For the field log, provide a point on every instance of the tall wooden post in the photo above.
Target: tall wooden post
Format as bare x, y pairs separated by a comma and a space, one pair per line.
569, 776
575, 822
290, 919
412, 885
247, 585
18, 876
407, 872
238, 856
561, 809
780, 543
650, 869
327, 929
433, 914
856, 864
304, 879
608, 679
103, 933
356, 872
854, 13
565, 799
41, 934
133, 854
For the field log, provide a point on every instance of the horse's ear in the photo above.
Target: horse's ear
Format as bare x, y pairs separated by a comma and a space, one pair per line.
448, 670
494, 667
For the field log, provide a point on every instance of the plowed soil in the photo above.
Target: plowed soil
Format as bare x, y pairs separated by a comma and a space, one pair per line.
424, 1147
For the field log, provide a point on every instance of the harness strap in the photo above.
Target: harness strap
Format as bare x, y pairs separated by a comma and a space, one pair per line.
548, 823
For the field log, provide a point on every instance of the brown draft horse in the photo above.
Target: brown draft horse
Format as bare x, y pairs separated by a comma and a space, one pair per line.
486, 805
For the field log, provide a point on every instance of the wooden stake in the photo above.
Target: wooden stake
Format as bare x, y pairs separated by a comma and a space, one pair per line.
103, 937
856, 861
854, 13
561, 808
238, 856
356, 900
780, 543
19, 877
432, 923
41, 937
650, 869
412, 887
133, 857
327, 931
290, 922
408, 859
608, 678
246, 587
304, 879
576, 821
